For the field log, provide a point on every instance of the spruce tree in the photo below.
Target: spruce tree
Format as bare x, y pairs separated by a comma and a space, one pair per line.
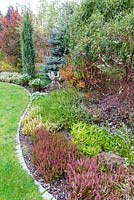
59, 39
55, 59
27, 45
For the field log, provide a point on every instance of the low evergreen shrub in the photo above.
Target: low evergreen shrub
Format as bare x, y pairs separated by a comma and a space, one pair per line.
36, 84
23, 80
31, 122
92, 139
91, 179
51, 153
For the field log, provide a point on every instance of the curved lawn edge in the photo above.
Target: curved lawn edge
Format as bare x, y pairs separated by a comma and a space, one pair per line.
43, 192
15, 184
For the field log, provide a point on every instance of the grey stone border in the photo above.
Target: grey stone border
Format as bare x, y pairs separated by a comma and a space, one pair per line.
44, 193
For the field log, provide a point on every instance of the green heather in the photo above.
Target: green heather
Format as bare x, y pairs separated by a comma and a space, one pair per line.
15, 184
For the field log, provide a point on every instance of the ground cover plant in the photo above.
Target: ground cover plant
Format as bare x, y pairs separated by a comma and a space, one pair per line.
9, 77
60, 109
51, 153
32, 121
92, 179
92, 139
14, 182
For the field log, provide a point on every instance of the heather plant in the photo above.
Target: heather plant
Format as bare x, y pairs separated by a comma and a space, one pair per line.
91, 179
92, 139
51, 126
31, 121
51, 153
62, 108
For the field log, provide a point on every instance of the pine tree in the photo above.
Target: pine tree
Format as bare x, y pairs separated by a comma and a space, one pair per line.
27, 45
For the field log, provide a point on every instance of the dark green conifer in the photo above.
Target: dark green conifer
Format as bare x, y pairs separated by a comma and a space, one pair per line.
27, 45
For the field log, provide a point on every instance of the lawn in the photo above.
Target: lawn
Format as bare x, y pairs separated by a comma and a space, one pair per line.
15, 184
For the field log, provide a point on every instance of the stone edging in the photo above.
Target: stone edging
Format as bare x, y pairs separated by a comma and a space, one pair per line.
45, 194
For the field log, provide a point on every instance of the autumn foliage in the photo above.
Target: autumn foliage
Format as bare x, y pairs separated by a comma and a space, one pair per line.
9, 35
82, 77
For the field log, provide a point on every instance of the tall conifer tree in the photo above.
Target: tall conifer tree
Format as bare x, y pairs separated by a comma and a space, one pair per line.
27, 45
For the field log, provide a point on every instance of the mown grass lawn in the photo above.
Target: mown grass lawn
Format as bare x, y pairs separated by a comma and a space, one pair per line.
15, 184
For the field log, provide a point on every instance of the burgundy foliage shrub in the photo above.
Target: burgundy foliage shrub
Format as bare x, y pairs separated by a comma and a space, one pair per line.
51, 153
89, 179
10, 36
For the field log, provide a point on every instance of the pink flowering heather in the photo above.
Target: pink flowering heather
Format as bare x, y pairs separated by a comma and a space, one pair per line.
51, 154
91, 180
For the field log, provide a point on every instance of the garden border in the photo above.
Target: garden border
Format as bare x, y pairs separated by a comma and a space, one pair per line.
44, 193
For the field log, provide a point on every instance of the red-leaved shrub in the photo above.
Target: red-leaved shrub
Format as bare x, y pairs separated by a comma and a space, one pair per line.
51, 153
89, 179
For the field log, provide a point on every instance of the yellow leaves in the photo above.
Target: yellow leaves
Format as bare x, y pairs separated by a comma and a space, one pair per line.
81, 84
67, 74
31, 122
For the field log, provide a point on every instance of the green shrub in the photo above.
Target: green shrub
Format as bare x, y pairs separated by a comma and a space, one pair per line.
101, 36
89, 138
61, 108
92, 139
113, 8
43, 78
36, 84
24, 80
